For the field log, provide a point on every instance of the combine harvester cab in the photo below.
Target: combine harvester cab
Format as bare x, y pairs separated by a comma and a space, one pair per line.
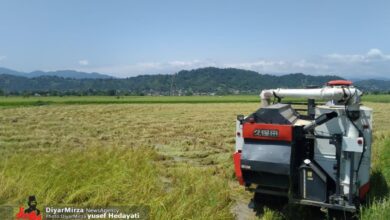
320, 159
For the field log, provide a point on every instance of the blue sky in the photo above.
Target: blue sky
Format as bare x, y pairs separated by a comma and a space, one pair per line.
127, 38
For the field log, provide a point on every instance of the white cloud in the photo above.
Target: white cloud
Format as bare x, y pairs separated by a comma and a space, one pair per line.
372, 55
262, 66
84, 62
258, 64
373, 63
150, 67
375, 53
281, 66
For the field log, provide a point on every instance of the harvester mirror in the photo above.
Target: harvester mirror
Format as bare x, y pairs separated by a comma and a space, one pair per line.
240, 117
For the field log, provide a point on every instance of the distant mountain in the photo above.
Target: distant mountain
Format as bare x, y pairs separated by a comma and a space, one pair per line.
11, 72
364, 79
61, 73
373, 85
234, 80
209, 80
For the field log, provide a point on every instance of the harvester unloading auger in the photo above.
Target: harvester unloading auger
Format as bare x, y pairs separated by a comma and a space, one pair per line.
319, 159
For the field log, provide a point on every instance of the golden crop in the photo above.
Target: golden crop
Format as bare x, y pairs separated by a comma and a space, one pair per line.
175, 158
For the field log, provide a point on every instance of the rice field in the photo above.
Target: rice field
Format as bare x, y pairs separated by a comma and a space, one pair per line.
174, 158
14, 101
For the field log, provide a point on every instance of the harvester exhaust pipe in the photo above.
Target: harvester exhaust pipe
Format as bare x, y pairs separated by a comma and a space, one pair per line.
320, 120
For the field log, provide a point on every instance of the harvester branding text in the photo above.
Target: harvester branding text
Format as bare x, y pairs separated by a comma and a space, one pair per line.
266, 133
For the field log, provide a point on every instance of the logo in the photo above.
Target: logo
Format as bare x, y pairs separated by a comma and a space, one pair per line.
265, 133
31, 213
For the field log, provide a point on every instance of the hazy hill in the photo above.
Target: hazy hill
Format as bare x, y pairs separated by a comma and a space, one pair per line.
373, 85
61, 73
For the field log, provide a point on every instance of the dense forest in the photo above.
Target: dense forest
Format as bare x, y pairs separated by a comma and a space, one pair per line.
203, 81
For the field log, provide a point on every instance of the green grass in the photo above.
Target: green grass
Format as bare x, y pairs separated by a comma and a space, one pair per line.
69, 100
174, 158
378, 201
16, 101
376, 98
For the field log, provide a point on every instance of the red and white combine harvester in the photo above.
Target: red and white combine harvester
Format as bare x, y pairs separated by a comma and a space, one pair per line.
318, 159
